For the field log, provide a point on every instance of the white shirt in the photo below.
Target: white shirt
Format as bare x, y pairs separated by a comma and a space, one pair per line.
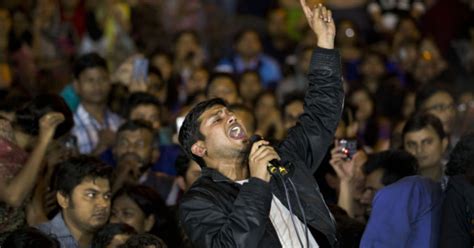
281, 220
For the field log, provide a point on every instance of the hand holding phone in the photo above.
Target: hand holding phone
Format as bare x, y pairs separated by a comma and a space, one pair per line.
348, 147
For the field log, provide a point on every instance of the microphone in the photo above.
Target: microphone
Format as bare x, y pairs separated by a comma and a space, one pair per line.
273, 166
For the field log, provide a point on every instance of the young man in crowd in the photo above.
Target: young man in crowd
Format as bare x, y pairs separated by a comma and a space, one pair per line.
242, 205
84, 195
404, 210
423, 137
94, 123
134, 151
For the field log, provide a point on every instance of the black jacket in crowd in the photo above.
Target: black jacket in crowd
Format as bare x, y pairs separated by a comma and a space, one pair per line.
217, 212
457, 221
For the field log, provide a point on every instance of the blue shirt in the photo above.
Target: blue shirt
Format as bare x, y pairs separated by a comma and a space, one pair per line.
57, 228
405, 214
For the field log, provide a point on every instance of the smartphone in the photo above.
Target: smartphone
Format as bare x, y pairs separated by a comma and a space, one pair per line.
179, 123
348, 147
140, 69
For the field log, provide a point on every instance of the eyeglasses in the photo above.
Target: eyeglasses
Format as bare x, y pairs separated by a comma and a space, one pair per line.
440, 107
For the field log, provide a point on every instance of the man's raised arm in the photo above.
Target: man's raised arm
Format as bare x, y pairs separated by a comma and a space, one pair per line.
323, 102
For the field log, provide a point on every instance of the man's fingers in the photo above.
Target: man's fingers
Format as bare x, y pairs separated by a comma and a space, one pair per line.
257, 145
329, 16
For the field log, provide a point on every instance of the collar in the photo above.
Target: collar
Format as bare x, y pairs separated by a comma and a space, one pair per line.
215, 175
59, 226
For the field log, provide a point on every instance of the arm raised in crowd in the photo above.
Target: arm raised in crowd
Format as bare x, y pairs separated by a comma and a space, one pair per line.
13, 191
309, 139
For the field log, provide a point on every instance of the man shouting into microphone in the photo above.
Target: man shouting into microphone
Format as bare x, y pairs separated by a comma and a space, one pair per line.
236, 202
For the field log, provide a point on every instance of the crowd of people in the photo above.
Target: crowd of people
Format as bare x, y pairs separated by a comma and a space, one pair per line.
91, 153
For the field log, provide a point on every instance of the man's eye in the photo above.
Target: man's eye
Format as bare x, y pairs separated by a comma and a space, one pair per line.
90, 195
217, 120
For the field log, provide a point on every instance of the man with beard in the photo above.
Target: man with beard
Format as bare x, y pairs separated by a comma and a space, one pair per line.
134, 151
83, 193
236, 202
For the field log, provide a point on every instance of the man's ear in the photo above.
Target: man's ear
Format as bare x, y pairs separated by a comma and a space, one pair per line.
149, 222
199, 149
62, 199
445, 143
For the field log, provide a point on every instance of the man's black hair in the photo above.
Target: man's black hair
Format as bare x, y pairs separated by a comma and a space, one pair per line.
104, 236
290, 98
240, 107
27, 118
216, 75
396, 164
140, 99
73, 171
30, 237
133, 125
240, 34
423, 120
249, 71
88, 61
150, 203
426, 92
144, 240
461, 159
189, 133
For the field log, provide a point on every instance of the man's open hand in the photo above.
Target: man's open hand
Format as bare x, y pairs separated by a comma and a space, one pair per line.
321, 22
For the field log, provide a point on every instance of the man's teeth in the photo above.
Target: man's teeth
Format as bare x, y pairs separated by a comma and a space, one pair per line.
235, 129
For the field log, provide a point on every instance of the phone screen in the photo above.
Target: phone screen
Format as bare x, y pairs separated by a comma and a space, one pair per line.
140, 69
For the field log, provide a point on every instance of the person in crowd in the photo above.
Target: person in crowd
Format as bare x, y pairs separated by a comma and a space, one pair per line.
134, 152
268, 116
457, 217
404, 209
423, 137
84, 195
223, 85
146, 107
249, 55
292, 108
24, 144
297, 81
438, 101
94, 123
142, 208
188, 53
144, 240
30, 237
250, 86
234, 203
246, 115
374, 130
112, 235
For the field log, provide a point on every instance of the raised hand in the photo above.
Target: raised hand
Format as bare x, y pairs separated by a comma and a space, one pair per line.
48, 124
345, 169
321, 22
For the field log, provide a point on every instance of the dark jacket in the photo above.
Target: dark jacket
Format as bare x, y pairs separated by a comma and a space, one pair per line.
457, 221
217, 212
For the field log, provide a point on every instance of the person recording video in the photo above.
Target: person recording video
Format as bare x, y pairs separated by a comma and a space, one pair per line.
238, 201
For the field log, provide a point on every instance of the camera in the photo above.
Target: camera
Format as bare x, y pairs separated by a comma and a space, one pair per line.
348, 147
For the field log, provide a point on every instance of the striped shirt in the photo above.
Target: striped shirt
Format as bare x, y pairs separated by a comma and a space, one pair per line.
87, 128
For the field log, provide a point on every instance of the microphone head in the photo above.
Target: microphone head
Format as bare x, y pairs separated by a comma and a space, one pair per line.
254, 138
